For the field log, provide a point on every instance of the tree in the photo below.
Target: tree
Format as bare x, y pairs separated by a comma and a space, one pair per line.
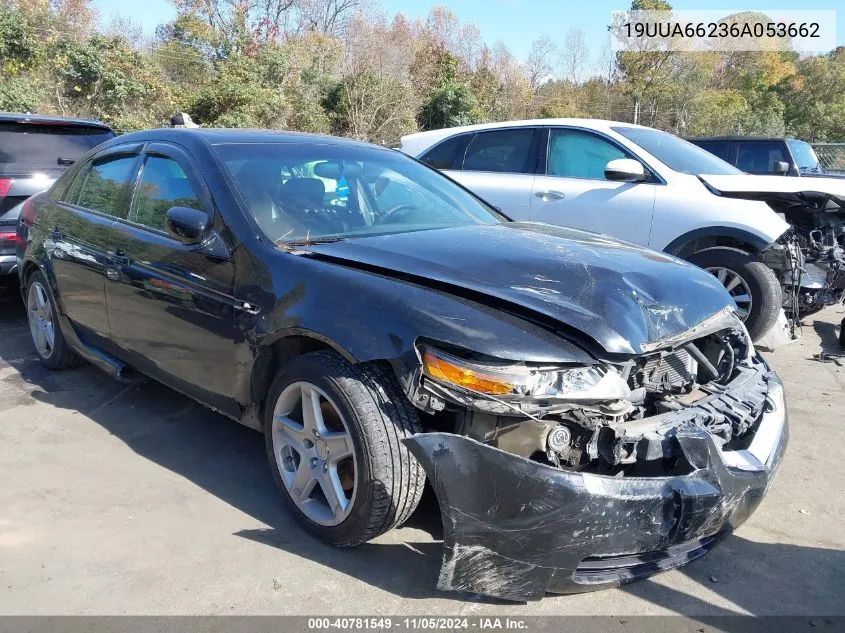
452, 102
539, 65
330, 17
575, 54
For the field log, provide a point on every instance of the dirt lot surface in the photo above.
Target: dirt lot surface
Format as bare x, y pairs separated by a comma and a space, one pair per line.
119, 500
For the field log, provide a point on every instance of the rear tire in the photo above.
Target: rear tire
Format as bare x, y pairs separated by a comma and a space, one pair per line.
364, 402
53, 350
760, 280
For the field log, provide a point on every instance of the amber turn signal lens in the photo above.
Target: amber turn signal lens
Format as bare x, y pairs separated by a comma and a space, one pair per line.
441, 369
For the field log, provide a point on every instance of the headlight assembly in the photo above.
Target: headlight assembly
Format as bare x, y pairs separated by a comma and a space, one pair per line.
592, 383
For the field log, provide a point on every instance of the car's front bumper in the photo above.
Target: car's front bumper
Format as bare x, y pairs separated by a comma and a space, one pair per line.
516, 529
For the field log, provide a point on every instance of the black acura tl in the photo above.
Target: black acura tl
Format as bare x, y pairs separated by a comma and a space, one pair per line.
587, 412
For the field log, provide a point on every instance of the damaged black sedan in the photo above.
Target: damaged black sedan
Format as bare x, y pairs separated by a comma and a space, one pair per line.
588, 412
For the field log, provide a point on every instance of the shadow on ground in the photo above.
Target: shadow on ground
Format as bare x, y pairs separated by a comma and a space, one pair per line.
229, 461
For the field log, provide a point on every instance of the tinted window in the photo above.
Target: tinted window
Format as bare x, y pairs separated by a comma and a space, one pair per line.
34, 145
717, 148
501, 151
313, 191
104, 186
577, 154
449, 154
676, 153
163, 185
804, 155
759, 157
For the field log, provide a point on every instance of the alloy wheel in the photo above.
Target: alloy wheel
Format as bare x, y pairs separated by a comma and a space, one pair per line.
314, 453
41, 319
736, 287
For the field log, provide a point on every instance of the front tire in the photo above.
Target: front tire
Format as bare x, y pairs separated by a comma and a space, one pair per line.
753, 285
333, 433
53, 350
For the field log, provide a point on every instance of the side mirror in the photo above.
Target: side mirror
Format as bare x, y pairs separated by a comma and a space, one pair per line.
625, 170
781, 168
187, 225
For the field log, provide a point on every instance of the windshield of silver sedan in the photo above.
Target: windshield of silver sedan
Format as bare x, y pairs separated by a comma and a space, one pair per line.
303, 192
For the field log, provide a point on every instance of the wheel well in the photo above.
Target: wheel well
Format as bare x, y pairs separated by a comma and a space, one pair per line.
28, 269
699, 244
276, 355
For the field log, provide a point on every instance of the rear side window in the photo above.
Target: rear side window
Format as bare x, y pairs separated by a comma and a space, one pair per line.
717, 148
759, 157
163, 185
449, 154
47, 146
507, 151
577, 154
105, 185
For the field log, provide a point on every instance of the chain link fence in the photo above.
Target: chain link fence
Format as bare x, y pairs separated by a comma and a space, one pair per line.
831, 156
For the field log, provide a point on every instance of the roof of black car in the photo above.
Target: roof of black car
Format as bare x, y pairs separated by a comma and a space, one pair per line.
219, 136
49, 119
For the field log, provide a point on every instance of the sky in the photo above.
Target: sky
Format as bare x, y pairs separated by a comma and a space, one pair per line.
517, 23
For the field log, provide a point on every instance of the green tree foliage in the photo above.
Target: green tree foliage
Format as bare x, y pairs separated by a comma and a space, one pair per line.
452, 101
329, 66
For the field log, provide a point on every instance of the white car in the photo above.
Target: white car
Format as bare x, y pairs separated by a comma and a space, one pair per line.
655, 189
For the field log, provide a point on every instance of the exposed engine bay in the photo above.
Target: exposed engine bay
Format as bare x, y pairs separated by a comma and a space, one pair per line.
809, 259
819, 234
617, 419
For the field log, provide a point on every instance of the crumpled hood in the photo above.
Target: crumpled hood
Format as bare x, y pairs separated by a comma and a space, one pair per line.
624, 297
787, 189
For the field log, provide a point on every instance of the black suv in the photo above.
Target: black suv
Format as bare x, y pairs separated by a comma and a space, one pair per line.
772, 156
34, 151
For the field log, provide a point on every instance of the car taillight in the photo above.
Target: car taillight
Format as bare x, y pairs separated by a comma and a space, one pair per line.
5, 185
28, 212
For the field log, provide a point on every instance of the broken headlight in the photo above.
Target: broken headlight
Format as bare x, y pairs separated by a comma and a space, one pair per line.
589, 383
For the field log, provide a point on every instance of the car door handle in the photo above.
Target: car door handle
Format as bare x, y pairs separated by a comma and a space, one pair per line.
249, 308
550, 196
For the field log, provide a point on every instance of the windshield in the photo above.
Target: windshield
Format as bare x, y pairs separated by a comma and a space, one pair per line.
48, 147
310, 191
677, 153
804, 155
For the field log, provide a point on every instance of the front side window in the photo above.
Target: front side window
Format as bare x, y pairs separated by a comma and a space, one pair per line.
507, 151
759, 157
104, 186
717, 148
449, 154
676, 153
163, 185
301, 192
578, 154
804, 155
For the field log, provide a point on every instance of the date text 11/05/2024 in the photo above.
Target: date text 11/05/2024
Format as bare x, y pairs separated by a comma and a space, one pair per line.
433, 623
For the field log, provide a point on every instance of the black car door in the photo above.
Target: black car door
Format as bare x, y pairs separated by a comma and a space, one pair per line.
81, 225
169, 303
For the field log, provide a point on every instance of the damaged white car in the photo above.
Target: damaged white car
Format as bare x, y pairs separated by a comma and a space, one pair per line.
774, 242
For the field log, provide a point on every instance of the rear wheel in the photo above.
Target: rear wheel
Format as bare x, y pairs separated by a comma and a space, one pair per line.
47, 336
333, 432
752, 285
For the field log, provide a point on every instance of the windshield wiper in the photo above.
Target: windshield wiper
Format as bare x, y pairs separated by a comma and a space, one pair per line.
308, 241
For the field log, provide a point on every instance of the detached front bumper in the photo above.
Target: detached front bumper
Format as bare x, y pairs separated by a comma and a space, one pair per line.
516, 529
